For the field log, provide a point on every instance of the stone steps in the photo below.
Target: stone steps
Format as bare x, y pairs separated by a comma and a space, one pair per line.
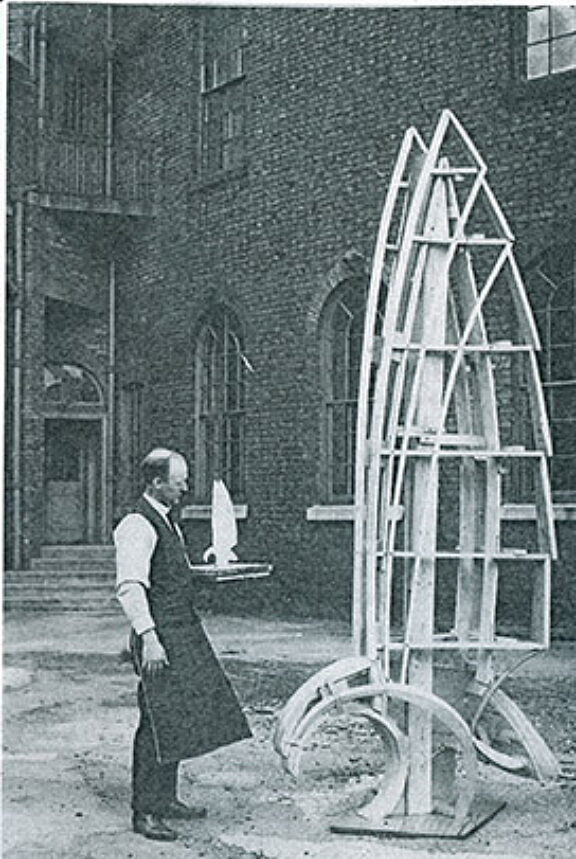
51, 565
64, 578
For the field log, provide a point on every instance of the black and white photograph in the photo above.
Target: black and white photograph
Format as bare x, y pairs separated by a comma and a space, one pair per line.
289, 430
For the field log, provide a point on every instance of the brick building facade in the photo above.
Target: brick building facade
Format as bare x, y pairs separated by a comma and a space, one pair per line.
194, 197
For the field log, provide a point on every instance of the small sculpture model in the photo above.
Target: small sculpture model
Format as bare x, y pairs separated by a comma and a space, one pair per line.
440, 470
225, 566
224, 530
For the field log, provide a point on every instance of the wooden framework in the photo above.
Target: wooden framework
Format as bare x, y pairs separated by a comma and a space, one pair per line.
431, 550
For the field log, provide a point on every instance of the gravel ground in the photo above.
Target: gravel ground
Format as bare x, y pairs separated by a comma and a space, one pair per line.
69, 715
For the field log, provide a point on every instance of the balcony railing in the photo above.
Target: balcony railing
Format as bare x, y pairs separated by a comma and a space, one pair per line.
89, 170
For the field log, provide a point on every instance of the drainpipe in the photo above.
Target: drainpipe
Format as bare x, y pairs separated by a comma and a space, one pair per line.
41, 117
108, 469
17, 381
109, 153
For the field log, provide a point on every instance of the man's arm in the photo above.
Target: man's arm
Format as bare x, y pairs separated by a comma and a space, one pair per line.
135, 541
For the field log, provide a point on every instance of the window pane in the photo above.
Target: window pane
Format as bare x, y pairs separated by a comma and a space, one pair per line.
564, 438
562, 363
562, 470
563, 20
219, 408
562, 322
562, 403
343, 418
537, 61
564, 54
538, 24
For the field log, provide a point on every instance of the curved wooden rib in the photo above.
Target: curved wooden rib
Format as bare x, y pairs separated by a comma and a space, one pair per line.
364, 582
313, 691
393, 782
430, 704
539, 761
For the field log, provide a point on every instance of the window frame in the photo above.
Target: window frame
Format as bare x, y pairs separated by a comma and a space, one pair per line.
222, 112
219, 406
345, 399
549, 40
544, 286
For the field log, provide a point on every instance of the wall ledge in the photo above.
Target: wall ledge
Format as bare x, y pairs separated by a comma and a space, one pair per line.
520, 512
204, 511
330, 513
510, 512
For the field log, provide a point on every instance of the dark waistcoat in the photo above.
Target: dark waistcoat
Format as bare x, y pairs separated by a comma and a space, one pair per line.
192, 705
171, 593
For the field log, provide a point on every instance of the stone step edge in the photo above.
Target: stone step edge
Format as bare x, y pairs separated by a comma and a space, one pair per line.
79, 563
107, 608
60, 577
51, 551
49, 587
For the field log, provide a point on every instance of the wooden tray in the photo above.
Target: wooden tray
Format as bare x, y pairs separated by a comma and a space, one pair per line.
231, 572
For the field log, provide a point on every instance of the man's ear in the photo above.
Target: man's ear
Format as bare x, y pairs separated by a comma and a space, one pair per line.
156, 482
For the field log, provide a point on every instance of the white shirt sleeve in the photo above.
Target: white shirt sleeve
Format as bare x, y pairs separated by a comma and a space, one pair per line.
135, 540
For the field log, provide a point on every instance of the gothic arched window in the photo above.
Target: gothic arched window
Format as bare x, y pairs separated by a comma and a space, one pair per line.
552, 282
220, 406
342, 330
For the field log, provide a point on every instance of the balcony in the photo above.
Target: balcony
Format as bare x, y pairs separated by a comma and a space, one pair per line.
86, 174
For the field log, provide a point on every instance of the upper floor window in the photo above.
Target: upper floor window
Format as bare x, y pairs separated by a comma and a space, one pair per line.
342, 332
551, 40
222, 92
220, 406
553, 285
223, 56
77, 100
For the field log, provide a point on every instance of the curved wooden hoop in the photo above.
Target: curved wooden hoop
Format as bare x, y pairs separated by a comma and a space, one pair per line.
539, 761
392, 784
408, 695
322, 684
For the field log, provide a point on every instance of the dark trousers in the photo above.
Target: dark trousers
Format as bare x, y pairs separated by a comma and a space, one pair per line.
153, 784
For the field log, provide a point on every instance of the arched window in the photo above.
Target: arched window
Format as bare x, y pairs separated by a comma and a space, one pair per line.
552, 284
67, 385
220, 406
342, 330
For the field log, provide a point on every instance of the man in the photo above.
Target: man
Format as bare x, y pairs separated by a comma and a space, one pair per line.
187, 705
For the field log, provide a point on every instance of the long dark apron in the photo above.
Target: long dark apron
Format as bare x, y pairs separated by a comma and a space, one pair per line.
191, 703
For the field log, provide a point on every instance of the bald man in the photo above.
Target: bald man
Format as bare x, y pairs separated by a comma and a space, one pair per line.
187, 705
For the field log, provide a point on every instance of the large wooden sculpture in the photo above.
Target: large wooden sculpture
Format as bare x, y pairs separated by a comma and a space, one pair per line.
448, 332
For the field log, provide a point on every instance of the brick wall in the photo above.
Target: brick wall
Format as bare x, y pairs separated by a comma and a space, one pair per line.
329, 94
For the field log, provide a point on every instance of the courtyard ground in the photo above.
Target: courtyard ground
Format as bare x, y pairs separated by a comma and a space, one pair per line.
69, 715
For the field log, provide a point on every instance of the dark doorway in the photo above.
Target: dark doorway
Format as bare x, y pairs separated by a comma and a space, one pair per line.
73, 480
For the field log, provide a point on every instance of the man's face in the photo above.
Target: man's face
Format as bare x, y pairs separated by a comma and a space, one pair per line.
170, 491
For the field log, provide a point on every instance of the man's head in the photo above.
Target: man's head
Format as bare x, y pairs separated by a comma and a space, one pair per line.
165, 475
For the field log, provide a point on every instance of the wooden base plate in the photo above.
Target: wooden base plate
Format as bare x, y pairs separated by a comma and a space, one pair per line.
421, 825
231, 572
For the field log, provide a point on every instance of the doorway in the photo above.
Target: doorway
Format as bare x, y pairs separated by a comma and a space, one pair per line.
73, 481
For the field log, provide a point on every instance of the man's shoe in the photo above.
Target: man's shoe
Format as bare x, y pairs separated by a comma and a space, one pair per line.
152, 826
177, 810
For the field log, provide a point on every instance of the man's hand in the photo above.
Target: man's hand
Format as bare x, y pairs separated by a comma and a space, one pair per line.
153, 654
